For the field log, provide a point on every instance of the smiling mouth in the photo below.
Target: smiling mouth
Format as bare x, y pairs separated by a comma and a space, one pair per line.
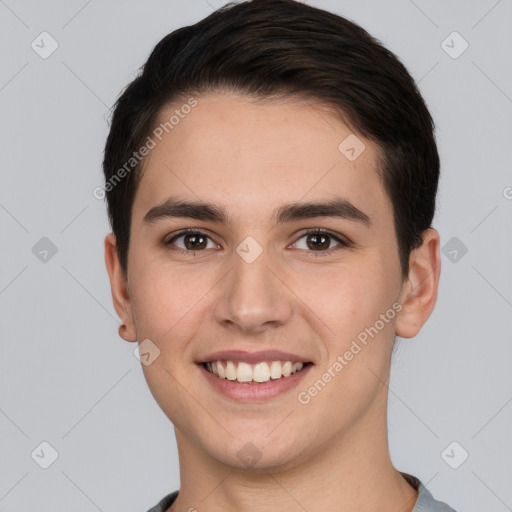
258, 373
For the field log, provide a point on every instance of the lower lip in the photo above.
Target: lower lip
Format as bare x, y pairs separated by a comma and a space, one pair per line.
254, 392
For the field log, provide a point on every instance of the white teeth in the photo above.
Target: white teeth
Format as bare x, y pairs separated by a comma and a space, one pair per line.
230, 370
275, 370
244, 372
296, 367
260, 372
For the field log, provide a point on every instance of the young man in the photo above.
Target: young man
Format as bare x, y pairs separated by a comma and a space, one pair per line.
271, 180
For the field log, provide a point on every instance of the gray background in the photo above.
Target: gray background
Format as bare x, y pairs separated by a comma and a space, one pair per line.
66, 376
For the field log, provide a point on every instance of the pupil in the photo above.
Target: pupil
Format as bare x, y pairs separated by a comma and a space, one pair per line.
315, 245
194, 245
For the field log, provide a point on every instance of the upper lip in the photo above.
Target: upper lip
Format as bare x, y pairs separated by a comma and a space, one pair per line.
253, 357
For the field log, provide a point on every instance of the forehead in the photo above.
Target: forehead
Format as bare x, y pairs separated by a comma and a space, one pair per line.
257, 154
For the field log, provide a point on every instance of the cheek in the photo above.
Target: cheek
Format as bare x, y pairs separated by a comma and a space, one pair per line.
362, 316
167, 301
358, 306
348, 299
168, 310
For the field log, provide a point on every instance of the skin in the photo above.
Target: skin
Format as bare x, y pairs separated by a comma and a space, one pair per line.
252, 157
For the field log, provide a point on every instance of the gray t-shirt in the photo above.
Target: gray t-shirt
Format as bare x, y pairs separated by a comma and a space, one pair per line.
425, 502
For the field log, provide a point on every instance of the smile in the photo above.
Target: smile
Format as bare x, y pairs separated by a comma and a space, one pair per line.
258, 373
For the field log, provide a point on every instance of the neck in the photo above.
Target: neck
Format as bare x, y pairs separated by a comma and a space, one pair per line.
352, 472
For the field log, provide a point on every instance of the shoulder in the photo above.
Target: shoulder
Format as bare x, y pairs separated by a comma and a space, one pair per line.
426, 502
164, 503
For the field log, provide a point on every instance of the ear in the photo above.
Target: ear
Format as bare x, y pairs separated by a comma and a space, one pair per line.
119, 288
419, 291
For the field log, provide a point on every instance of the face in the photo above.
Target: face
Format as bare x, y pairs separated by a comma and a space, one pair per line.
262, 276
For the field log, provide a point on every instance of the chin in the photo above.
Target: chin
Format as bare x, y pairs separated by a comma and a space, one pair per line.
257, 454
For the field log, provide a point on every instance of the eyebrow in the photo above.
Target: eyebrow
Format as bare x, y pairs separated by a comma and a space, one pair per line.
198, 210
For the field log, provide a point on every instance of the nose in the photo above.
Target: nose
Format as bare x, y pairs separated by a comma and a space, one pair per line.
253, 296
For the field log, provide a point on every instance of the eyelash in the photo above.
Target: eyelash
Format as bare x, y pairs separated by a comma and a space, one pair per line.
342, 243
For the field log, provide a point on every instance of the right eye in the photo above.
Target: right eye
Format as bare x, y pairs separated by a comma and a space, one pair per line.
193, 241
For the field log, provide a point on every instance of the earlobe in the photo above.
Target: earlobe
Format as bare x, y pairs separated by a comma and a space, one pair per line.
119, 289
419, 292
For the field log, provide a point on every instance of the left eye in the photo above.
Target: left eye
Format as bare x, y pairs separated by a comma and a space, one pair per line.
320, 241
